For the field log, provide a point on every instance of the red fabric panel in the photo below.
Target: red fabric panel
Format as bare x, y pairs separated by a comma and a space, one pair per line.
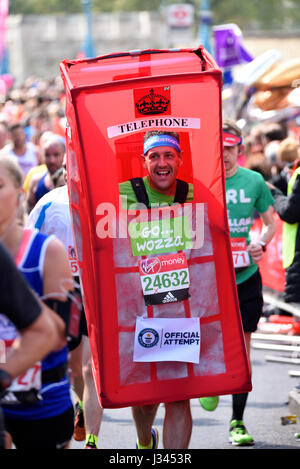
272, 272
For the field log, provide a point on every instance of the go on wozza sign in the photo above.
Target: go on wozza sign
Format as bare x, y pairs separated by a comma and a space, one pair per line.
160, 236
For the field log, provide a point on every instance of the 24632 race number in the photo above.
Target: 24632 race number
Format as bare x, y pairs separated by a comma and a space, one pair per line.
162, 282
164, 279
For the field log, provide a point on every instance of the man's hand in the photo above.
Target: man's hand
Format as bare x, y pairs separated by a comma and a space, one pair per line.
256, 252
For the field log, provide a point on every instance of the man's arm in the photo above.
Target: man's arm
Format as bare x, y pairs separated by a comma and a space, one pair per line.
287, 207
267, 233
57, 277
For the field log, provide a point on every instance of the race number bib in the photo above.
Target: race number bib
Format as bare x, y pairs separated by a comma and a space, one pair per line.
164, 279
239, 252
31, 379
73, 261
25, 387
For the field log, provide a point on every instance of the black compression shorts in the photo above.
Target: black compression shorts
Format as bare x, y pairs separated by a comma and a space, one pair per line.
251, 301
52, 433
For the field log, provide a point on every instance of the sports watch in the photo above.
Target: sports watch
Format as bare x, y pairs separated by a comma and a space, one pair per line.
263, 245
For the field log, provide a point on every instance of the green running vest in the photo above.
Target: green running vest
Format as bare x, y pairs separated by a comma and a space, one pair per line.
289, 231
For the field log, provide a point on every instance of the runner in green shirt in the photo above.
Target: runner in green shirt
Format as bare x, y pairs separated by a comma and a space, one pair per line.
162, 159
246, 191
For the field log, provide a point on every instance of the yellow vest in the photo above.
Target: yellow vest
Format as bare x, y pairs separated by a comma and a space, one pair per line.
289, 230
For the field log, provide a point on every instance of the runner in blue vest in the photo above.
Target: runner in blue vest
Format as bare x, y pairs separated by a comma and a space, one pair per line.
51, 215
40, 330
38, 410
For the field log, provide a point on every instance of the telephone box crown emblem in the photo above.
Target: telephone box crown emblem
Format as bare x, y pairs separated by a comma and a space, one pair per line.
152, 103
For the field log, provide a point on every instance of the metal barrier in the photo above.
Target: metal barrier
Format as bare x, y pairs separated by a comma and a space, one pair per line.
287, 346
274, 299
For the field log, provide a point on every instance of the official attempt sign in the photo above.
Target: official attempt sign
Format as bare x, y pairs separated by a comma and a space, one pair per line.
158, 340
157, 276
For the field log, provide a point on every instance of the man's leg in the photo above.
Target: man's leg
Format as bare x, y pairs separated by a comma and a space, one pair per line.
75, 364
91, 408
251, 306
143, 417
248, 344
178, 425
239, 402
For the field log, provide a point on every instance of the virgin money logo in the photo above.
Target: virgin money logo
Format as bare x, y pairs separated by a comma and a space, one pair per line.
150, 266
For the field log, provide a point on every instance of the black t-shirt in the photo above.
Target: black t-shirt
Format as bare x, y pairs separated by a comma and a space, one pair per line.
17, 300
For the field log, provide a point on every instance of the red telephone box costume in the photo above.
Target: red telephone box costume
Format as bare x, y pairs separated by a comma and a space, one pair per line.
111, 101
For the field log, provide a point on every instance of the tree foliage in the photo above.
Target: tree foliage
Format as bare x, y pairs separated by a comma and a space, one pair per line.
248, 14
41, 7
257, 14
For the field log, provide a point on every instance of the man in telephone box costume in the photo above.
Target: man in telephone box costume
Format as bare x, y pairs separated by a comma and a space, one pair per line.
147, 197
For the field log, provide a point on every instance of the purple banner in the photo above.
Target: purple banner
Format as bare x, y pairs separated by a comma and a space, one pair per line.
229, 50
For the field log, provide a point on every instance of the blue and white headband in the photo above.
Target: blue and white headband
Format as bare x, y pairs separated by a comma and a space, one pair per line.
161, 141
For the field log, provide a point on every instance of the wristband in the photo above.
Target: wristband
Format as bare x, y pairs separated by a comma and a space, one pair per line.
263, 245
5, 380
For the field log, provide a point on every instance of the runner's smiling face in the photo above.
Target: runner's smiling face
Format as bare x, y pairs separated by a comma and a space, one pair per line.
162, 164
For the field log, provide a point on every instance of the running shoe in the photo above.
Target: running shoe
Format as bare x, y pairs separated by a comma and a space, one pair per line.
155, 438
79, 427
90, 446
209, 403
238, 434
91, 442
